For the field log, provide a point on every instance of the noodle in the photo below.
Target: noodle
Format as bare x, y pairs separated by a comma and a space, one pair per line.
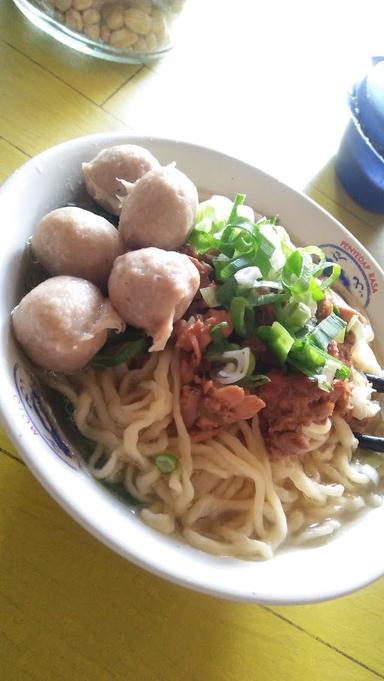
226, 496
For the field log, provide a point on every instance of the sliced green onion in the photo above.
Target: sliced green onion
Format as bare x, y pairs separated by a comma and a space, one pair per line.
310, 359
251, 364
213, 212
259, 256
219, 263
226, 292
239, 199
209, 294
166, 463
236, 367
295, 315
253, 381
274, 235
330, 280
357, 328
278, 339
244, 242
266, 246
241, 316
306, 298
246, 213
215, 351
234, 266
216, 331
336, 310
329, 370
309, 355
124, 354
315, 250
267, 299
328, 329
248, 276
203, 241
292, 268
250, 379
266, 283
315, 290
343, 372
118, 489
297, 271
263, 263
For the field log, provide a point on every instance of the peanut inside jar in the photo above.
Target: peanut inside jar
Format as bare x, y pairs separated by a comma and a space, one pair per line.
130, 25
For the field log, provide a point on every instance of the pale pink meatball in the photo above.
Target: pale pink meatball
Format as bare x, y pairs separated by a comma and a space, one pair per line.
62, 323
126, 162
151, 288
159, 211
76, 242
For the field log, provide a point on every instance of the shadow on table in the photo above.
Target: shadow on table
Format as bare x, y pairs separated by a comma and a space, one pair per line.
73, 609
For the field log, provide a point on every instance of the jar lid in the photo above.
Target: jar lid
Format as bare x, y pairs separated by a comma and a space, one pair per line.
367, 104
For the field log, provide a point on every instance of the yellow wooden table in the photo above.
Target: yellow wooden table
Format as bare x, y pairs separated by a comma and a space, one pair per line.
265, 81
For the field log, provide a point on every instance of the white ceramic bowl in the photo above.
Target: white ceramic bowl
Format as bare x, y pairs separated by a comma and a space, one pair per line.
353, 557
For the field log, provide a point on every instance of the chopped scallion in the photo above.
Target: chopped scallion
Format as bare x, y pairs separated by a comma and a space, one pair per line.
241, 316
209, 294
236, 366
239, 200
335, 271
217, 331
278, 339
166, 463
310, 359
257, 300
330, 328
123, 354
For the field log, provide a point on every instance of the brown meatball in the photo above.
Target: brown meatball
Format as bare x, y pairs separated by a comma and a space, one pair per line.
159, 211
151, 288
76, 242
126, 162
62, 323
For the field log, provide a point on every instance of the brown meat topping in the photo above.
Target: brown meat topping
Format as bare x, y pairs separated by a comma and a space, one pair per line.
206, 407
292, 401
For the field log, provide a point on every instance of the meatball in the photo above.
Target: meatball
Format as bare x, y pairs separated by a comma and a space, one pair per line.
159, 211
62, 323
126, 162
151, 288
76, 242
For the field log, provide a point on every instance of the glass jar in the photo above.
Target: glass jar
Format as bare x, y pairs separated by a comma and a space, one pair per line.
128, 31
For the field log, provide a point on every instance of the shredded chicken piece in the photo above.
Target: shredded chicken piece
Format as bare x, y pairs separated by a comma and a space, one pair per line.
331, 300
194, 335
342, 351
345, 310
205, 271
206, 408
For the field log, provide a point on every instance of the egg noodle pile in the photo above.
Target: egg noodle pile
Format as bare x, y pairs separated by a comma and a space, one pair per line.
226, 495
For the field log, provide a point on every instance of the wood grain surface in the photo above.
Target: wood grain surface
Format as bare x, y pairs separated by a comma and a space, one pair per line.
266, 82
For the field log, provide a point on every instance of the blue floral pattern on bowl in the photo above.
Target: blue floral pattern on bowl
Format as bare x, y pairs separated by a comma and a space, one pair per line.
36, 413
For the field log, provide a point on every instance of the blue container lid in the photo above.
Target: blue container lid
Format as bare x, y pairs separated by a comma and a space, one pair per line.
367, 104
360, 169
360, 159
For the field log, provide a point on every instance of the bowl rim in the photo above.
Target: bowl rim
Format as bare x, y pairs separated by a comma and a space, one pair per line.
46, 471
